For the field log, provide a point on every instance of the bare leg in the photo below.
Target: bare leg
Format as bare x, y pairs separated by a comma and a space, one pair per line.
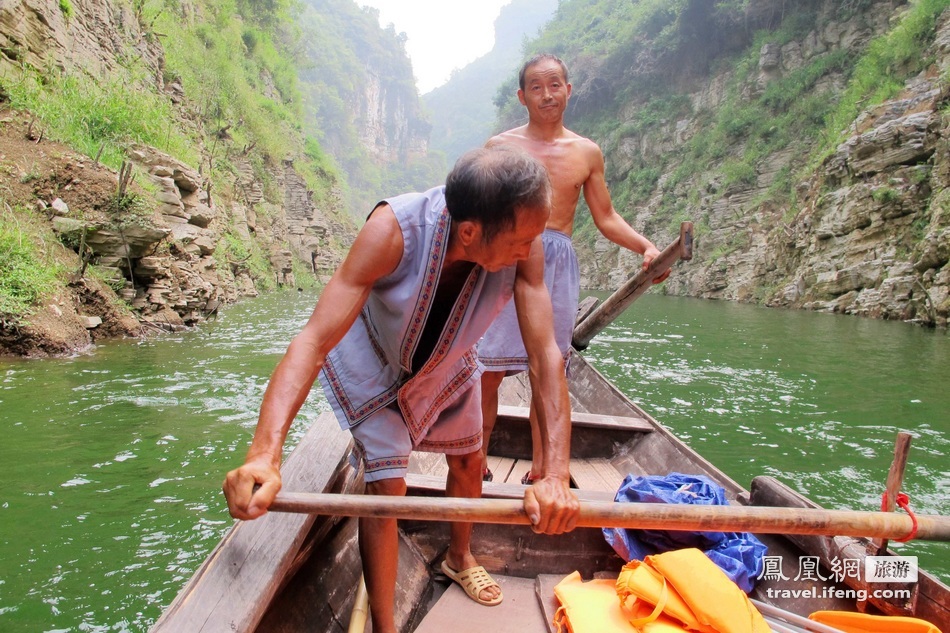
491, 380
379, 549
464, 480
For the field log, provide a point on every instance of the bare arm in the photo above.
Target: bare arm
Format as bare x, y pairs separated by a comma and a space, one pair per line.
608, 221
550, 500
376, 252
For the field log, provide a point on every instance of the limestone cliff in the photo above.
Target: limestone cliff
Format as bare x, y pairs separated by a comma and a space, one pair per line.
165, 257
92, 35
863, 231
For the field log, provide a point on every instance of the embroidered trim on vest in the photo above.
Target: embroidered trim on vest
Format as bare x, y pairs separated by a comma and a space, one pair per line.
427, 290
452, 323
418, 426
356, 413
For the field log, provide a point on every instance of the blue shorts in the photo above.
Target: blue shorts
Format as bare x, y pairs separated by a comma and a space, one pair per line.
384, 444
501, 349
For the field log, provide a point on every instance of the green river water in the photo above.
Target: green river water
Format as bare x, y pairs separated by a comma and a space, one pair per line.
114, 459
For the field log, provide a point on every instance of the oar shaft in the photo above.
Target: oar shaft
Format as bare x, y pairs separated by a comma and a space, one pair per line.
620, 300
655, 516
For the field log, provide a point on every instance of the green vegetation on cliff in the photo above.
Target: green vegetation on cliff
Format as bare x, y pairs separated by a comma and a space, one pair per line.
28, 273
357, 81
636, 67
227, 92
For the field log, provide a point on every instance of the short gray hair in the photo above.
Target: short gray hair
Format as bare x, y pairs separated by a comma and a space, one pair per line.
488, 185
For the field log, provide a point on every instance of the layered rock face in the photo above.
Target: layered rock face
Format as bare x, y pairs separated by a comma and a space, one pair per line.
386, 129
92, 35
866, 233
168, 263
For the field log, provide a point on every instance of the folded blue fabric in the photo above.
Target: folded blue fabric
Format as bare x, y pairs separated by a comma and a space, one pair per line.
739, 555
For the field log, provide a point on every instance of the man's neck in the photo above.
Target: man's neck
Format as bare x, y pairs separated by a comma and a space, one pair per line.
545, 132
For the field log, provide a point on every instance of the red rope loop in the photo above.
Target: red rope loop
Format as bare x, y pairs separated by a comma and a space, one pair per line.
904, 502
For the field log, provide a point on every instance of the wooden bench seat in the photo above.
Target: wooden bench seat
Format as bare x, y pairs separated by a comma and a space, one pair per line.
589, 420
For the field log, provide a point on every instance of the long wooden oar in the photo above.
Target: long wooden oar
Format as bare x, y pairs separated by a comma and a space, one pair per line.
360, 613
627, 515
620, 300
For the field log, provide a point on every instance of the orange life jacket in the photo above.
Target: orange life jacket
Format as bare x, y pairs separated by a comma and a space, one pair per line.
865, 623
670, 592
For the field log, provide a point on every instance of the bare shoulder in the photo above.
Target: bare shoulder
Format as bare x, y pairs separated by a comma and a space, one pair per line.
380, 239
589, 148
514, 136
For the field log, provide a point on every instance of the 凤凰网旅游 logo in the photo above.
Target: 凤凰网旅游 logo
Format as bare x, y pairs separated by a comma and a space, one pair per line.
890, 569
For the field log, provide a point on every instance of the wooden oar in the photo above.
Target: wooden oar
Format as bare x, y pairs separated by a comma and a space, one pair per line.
620, 300
656, 516
360, 612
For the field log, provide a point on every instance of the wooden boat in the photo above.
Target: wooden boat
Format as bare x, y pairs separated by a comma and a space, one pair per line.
294, 572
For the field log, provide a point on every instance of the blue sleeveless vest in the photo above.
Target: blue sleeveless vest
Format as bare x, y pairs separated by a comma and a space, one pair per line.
371, 366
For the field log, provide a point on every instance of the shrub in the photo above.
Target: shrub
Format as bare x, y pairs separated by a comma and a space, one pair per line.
25, 273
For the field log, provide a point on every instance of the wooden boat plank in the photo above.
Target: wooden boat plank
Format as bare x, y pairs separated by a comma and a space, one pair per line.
520, 468
545, 584
429, 464
519, 612
595, 473
236, 583
324, 589
426, 485
931, 600
502, 468
581, 418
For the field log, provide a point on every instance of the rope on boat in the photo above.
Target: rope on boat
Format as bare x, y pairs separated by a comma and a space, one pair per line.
903, 500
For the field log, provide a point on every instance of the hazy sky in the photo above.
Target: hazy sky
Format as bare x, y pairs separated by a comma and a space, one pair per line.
442, 35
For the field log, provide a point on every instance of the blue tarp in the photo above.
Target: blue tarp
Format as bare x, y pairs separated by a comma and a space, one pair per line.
740, 555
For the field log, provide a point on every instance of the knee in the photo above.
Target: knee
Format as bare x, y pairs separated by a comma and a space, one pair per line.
469, 461
390, 487
491, 380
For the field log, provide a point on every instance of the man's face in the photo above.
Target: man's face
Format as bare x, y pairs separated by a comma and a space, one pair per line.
545, 91
511, 246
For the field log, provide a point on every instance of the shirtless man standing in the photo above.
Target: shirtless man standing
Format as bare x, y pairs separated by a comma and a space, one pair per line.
574, 164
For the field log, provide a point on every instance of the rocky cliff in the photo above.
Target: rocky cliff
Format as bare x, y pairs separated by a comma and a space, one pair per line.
168, 257
91, 35
863, 231
463, 110
362, 101
389, 120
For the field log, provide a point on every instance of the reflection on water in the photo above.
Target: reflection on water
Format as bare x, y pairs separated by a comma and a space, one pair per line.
115, 458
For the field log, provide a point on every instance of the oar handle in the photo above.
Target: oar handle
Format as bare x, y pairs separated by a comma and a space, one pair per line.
655, 516
620, 300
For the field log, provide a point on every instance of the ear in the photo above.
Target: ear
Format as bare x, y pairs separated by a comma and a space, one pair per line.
521, 97
569, 91
469, 232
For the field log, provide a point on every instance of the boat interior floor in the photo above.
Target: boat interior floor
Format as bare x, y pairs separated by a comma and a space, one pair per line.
597, 475
528, 607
